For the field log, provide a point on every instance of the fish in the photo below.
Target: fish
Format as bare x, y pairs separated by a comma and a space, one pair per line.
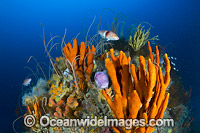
173, 58
27, 82
175, 69
172, 63
108, 35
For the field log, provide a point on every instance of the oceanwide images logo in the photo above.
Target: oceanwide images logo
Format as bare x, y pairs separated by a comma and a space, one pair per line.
29, 120
45, 121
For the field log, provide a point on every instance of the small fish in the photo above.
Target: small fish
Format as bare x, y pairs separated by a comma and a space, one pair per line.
108, 35
173, 58
173, 63
27, 82
175, 69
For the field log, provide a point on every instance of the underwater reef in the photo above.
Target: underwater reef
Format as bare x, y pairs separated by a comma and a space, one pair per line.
120, 83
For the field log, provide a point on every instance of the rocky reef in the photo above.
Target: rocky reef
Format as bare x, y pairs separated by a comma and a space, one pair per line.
122, 82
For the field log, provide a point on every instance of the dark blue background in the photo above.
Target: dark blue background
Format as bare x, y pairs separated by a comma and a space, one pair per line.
175, 21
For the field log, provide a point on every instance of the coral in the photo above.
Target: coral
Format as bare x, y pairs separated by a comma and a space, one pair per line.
94, 104
181, 117
176, 98
35, 109
80, 66
72, 102
56, 90
37, 91
41, 88
60, 63
136, 99
60, 86
80, 86
61, 109
27, 99
139, 38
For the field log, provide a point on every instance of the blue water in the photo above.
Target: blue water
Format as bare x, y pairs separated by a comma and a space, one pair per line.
175, 21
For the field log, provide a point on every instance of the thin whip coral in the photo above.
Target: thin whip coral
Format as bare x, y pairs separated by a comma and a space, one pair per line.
37, 65
45, 46
80, 59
